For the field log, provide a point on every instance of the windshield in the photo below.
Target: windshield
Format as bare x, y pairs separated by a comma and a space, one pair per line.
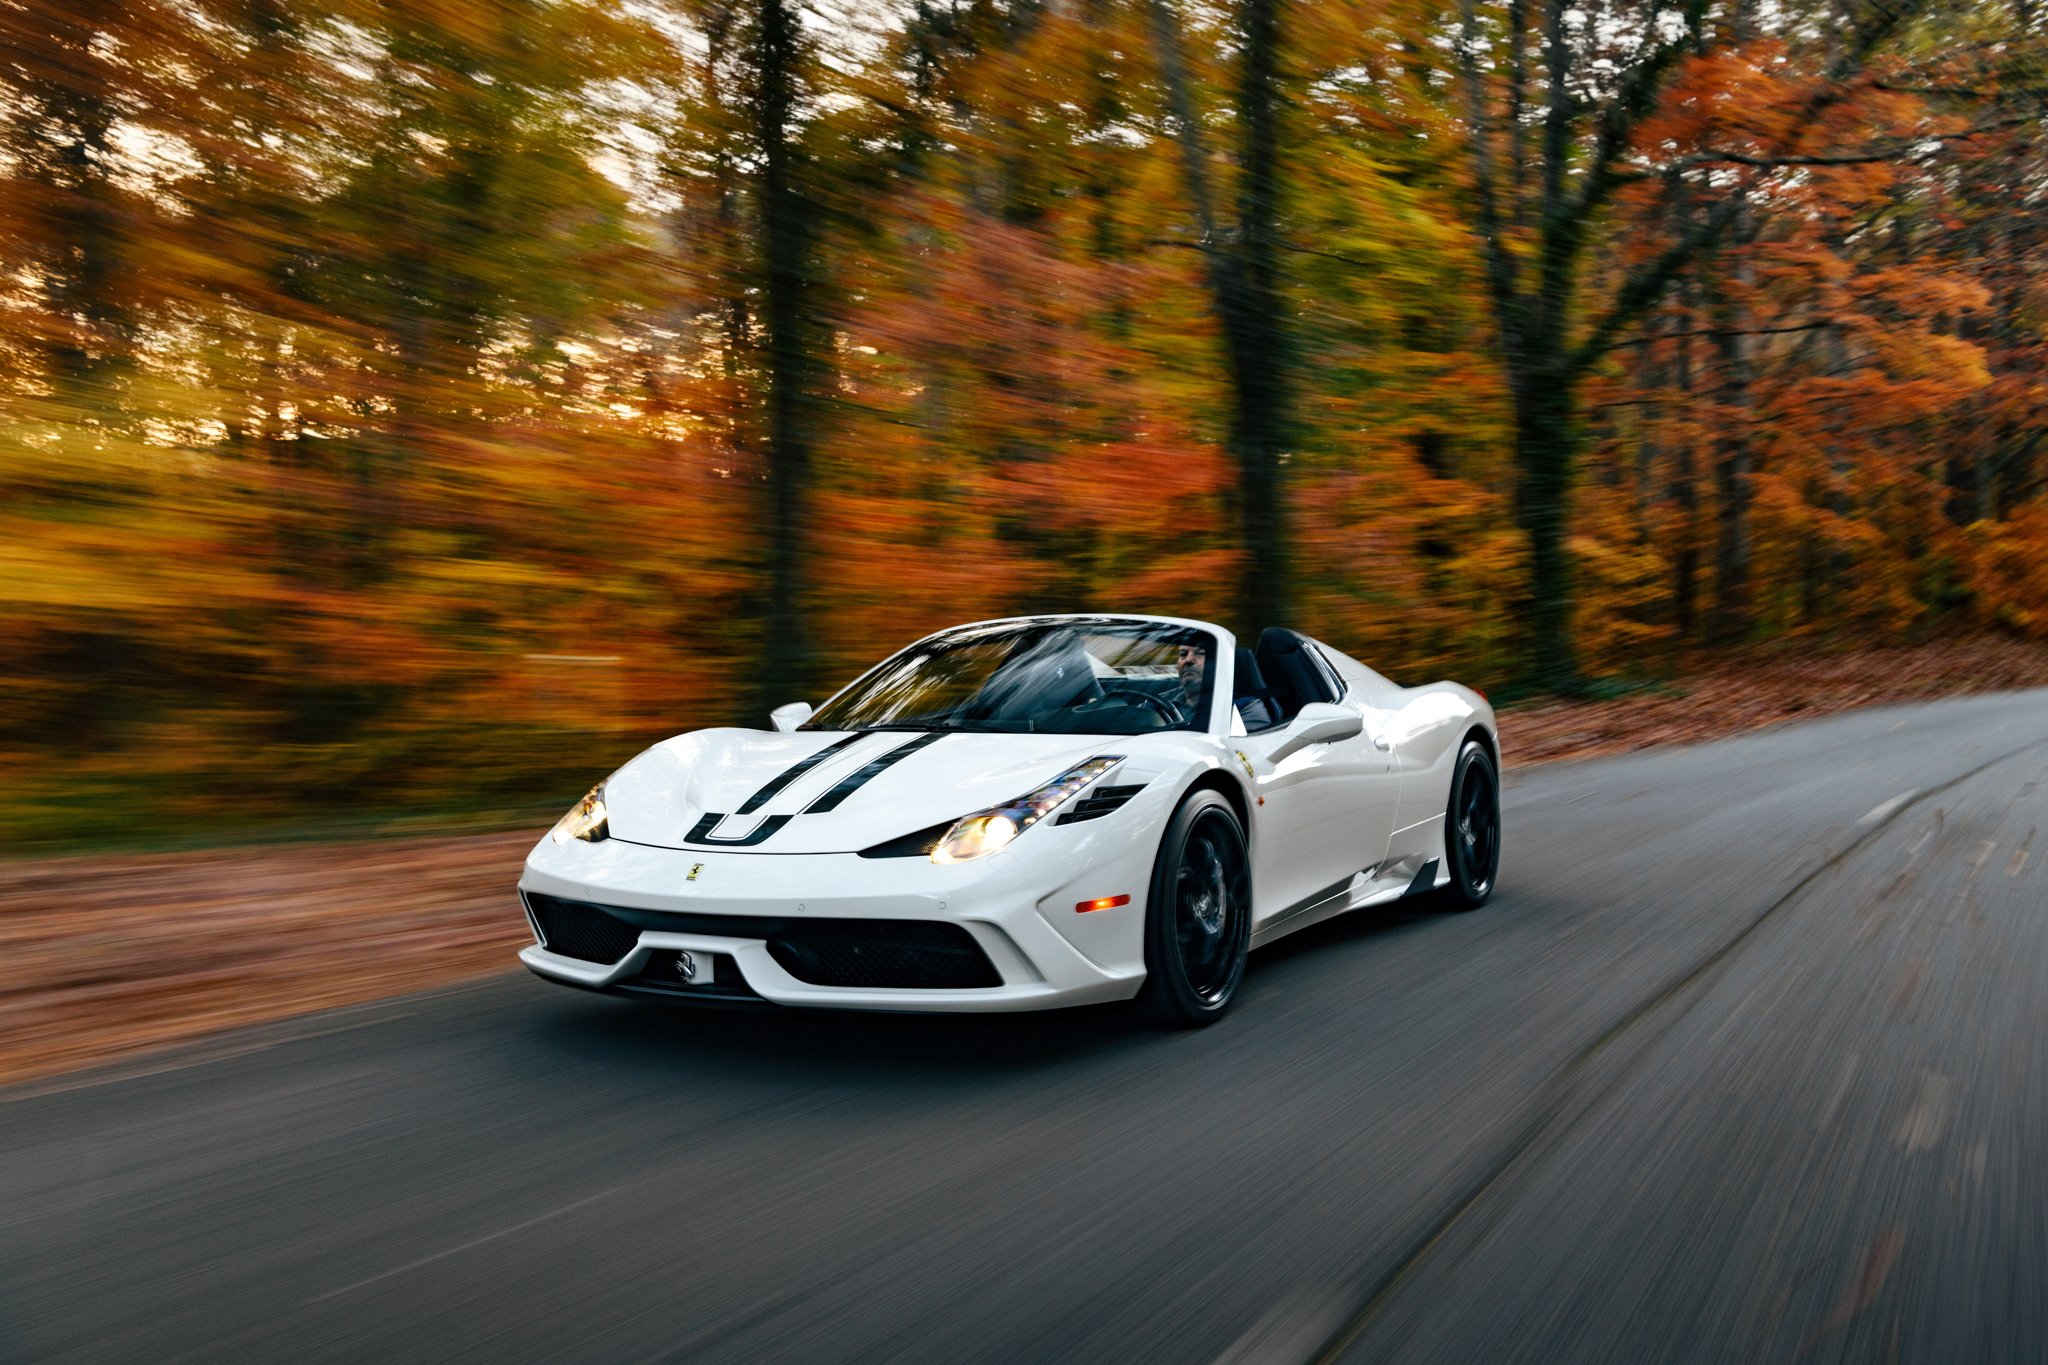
1072, 677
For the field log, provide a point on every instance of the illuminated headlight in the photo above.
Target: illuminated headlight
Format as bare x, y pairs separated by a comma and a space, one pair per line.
587, 820
990, 831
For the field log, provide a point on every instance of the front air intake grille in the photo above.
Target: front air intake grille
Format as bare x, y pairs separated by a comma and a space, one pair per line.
899, 954
581, 931
1098, 802
883, 953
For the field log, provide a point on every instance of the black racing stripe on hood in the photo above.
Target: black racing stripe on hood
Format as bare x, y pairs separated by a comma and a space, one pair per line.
702, 833
866, 773
775, 784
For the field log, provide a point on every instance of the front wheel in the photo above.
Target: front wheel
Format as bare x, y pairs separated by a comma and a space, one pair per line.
1198, 921
1472, 829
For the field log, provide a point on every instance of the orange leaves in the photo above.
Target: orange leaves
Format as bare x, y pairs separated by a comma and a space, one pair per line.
2008, 570
410, 414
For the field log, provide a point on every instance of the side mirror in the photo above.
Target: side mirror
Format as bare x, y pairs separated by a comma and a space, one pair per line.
789, 715
1320, 722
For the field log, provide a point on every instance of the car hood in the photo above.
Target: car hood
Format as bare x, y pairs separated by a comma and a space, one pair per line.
755, 791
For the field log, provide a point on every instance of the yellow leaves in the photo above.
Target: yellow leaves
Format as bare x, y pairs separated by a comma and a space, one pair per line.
56, 570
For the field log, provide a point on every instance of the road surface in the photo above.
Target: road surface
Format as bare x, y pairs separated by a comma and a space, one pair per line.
1744, 1062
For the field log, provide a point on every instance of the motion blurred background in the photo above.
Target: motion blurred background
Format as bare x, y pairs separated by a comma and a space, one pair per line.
412, 406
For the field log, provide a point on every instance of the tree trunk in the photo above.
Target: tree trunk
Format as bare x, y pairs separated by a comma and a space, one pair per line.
82, 280
1260, 429
1685, 555
785, 659
1546, 432
1733, 465
1243, 274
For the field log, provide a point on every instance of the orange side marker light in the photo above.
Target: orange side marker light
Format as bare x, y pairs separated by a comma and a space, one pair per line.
1101, 903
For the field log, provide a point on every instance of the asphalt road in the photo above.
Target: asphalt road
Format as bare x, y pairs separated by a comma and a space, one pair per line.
1745, 1062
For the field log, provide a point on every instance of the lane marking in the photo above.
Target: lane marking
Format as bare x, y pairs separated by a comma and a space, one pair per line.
465, 1246
1926, 1121
1884, 808
1985, 848
1826, 1118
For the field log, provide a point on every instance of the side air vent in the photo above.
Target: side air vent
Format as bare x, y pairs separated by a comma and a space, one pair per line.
915, 845
1097, 802
581, 931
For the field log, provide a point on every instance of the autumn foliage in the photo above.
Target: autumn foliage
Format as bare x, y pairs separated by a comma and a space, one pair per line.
396, 395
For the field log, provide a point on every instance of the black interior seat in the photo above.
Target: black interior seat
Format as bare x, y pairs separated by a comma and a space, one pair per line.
1291, 677
1254, 701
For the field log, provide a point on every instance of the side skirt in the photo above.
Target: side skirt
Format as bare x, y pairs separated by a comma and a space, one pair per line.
1330, 902
1388, 886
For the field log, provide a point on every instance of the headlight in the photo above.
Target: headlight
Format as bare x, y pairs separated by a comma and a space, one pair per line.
988, 831
587, 820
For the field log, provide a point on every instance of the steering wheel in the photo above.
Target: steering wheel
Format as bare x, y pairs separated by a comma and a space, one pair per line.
1161, 707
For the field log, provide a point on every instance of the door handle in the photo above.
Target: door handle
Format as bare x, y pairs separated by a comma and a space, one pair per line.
1381, 742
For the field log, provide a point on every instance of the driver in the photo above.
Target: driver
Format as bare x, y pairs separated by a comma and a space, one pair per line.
1194, 662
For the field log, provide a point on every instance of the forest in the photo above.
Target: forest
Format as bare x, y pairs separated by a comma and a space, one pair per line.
421, 404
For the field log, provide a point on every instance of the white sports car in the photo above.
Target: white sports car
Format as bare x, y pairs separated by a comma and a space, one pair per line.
1022, 814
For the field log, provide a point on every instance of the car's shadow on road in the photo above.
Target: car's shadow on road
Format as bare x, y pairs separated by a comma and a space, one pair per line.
609, 1034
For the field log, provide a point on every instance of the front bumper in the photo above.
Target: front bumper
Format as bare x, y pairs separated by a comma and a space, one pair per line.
1005, 904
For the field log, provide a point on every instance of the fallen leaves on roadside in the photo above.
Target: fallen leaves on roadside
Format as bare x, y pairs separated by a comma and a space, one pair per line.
101, 957
1765, 688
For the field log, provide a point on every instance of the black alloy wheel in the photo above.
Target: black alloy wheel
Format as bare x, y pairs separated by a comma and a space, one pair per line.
1198, 920
1472, 829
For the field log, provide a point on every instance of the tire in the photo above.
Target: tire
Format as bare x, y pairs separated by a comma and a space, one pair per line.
1198, 918
1472, 829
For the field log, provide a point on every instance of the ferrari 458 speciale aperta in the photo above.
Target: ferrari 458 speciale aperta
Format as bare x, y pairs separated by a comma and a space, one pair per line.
1020, 814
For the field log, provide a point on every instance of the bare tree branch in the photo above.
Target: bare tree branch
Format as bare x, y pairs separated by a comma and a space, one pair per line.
1634, 102
1902, 150
1642, 289
1813, 326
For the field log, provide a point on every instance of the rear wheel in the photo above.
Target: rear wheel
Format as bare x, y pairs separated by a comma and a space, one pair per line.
1198, 919
1472, 829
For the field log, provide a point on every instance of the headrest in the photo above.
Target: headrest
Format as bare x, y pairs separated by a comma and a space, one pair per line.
1278, 640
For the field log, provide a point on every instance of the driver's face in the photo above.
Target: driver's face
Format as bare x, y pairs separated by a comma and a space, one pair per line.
1193, 659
